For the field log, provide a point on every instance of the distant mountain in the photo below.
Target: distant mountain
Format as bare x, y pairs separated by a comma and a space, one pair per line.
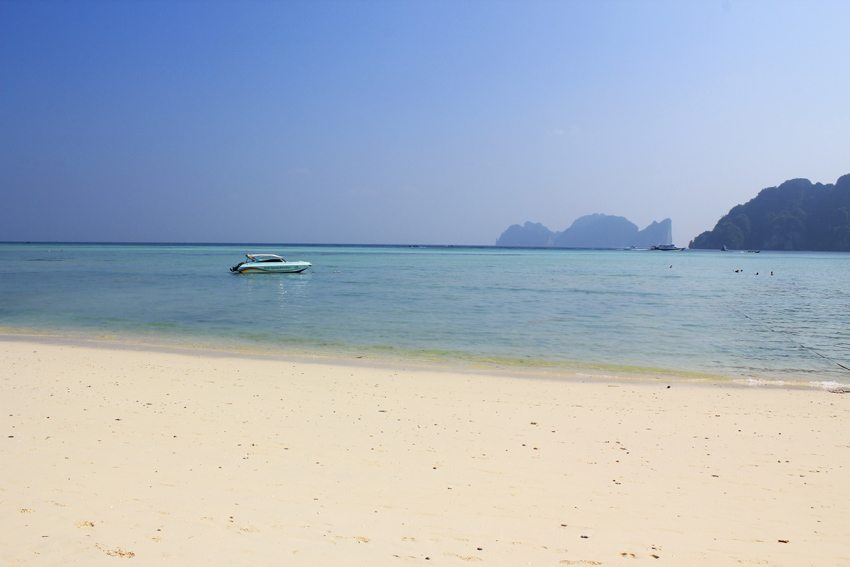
796, 215
529, 235
590, 231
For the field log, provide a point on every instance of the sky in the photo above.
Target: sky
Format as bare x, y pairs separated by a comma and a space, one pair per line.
408, 122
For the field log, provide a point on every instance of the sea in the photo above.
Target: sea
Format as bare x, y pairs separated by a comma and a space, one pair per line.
752, 318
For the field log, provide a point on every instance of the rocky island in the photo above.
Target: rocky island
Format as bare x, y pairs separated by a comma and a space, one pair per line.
796, 215
590, 231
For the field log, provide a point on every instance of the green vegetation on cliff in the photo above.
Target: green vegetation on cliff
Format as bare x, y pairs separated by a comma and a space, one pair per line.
797, 215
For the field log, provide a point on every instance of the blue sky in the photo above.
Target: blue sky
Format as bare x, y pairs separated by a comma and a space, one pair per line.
408, 122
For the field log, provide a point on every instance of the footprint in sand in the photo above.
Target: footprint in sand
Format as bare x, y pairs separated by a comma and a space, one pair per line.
117, 552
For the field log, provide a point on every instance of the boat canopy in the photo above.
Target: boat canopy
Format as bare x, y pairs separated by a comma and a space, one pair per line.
264, 258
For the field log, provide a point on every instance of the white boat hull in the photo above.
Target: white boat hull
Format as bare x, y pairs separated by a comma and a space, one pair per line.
272, 267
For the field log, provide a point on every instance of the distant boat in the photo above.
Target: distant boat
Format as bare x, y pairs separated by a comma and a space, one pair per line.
667, 248
754, 251
723, 248
268, 264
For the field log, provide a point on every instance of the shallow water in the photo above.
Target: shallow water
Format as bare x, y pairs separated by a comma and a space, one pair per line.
614, 311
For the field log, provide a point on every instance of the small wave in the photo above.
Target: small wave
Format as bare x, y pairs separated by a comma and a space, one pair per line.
831, 386
760, 382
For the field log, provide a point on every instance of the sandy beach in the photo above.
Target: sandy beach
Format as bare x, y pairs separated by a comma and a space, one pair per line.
114, 455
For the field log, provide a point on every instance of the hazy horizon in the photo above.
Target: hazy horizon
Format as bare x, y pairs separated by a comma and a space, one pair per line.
408, 122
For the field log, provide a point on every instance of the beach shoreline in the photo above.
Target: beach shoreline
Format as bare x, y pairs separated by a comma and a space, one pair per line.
182, 457
365, 357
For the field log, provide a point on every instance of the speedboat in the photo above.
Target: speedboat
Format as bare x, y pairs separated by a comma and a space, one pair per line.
268, 264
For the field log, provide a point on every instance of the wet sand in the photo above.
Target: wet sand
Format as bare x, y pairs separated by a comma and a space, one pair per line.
112, 455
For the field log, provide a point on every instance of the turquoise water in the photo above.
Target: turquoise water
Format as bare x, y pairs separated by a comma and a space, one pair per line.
614, 311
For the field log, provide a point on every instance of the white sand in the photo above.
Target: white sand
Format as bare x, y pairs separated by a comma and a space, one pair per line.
111, 456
